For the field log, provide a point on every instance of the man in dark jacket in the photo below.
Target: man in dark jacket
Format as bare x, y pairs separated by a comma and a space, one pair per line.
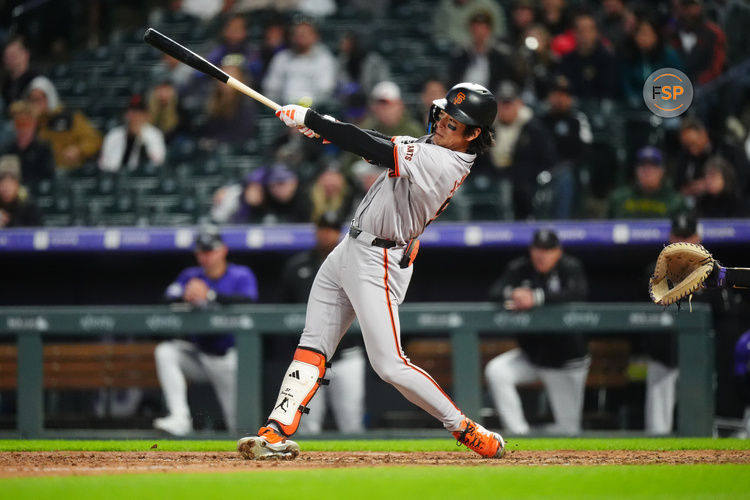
523, 147
18, 73
37, 161
569, 126
701, 44
16, 208
591, 66
484, 61
560, 361
696, 147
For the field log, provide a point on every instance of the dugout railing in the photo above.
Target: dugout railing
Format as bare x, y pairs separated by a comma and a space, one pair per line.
465, 323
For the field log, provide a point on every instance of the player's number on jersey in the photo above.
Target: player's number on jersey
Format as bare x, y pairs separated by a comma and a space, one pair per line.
440, 210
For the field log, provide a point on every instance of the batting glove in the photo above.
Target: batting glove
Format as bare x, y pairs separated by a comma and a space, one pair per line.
292, 115
307, 132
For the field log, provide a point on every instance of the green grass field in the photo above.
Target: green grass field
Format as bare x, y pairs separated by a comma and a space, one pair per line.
418, 483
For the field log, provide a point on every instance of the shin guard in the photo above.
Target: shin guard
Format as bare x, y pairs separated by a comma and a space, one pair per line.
301, 381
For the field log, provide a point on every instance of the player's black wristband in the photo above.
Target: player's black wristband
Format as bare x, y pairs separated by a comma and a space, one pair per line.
353, 139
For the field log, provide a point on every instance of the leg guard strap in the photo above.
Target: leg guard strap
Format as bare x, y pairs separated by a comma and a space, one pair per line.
301, 381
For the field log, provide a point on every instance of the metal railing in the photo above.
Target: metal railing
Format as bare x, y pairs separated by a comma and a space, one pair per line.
465, 323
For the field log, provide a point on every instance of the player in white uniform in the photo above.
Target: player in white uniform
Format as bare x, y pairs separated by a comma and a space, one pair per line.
368, 273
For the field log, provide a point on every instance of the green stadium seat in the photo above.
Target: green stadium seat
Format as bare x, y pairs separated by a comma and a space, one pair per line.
63, 211
144, 178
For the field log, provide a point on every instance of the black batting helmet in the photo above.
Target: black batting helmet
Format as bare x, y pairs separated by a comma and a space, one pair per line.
469, 103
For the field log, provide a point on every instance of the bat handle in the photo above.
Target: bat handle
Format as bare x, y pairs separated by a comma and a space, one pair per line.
241, 87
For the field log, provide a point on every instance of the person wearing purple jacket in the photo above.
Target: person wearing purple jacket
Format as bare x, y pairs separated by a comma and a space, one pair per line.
203, 357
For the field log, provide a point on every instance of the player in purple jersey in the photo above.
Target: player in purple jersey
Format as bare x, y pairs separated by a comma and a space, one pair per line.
211, 358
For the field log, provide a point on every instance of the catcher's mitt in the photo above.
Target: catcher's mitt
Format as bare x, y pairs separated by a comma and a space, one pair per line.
681, 269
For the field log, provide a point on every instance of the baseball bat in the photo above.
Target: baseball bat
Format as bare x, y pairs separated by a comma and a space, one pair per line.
187, 56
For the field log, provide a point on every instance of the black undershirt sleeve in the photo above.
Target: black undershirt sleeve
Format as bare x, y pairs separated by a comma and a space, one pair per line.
738, 277
372, 146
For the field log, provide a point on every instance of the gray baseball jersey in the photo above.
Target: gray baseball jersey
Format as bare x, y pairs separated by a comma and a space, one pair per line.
405, 199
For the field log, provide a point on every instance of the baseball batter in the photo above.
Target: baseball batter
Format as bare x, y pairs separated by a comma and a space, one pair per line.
368, 273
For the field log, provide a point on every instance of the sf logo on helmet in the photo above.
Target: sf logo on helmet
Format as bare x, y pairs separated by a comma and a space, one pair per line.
459, 98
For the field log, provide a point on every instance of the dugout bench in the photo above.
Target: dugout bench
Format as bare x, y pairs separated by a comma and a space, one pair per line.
465, 323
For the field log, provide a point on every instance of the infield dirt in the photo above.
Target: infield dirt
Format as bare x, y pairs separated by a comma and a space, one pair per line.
67, 463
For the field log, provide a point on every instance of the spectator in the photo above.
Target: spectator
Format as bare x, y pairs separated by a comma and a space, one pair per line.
17, 72
331, 193
735, 27
696, 147
274, 41
37, 161
304, 73
560, 361
652, 194
235, 40
130, 145
482, 60
523, 14
721, 198
616, 22
213, 283
283, 200
230, 116
165, 111
523, 147
346, 393
432, 89
554, 16
570, 127
536, 63
203, 9
572, 134
700, 43
644, 52
388, 114
16, 207
73, 138
171, 70
358, 66
591, 66
451, 19
317, 8
239, 203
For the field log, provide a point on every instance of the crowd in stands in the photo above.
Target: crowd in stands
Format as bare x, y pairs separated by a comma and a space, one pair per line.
124, 134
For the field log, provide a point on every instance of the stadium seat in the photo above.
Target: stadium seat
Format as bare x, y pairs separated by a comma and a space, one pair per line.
486, 198
144, 178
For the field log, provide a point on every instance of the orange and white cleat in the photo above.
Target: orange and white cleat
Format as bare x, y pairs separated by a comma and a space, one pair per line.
486, 443
267, 444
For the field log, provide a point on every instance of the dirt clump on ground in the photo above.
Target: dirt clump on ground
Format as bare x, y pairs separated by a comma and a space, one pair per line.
68, 463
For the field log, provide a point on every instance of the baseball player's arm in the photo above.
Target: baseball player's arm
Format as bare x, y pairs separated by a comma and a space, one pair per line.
345, 135
351, 138
729, 277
